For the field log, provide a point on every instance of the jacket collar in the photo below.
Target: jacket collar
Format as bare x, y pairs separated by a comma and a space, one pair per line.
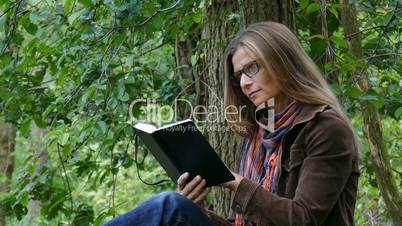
308, 113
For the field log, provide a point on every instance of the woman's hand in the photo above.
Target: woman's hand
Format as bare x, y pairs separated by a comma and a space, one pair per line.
233, 184
195, 190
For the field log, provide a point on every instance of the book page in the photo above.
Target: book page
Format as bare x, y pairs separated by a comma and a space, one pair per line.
173, 124
148, 128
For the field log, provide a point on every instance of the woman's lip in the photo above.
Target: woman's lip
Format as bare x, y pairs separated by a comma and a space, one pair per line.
253, 93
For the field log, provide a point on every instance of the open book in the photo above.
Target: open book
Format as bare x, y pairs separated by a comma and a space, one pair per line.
180, 147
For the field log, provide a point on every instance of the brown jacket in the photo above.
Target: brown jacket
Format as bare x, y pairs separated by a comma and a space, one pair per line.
318, 180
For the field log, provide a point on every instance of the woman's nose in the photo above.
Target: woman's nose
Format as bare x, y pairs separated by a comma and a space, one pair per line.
245, 80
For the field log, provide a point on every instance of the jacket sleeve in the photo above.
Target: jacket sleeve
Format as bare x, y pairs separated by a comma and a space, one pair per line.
329, 155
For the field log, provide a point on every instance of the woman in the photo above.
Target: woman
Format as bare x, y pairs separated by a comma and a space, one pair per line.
301, 168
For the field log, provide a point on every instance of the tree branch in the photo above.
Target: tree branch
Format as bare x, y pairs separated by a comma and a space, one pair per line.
364, 30
151, 49
147, 19
369, 58
13, 25
65, 175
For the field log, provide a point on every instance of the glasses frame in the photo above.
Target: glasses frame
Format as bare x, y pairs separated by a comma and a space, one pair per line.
236, 81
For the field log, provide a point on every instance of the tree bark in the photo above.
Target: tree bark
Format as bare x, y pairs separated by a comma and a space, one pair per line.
372, 123
217, 32
252, 11
7, 143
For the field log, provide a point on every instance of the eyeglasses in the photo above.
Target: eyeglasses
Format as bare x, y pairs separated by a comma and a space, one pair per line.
249, 70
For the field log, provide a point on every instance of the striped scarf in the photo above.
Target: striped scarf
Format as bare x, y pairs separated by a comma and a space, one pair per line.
261, 154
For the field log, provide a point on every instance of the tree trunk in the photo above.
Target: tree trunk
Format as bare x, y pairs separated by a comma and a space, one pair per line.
217, 32
37, 135
372, 123
252, 11
7, 143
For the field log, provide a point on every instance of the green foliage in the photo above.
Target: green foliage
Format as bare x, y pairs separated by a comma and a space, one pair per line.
70, 69
381, 60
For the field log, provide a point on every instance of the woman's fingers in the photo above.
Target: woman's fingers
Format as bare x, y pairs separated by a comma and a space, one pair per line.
191, 185
197, 190
182, 180
194, 190
200, 199
233, 184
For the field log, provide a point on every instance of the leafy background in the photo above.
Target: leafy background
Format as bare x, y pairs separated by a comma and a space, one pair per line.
70, 69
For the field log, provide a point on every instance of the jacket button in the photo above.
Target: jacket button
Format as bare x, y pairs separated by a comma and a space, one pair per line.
238, 208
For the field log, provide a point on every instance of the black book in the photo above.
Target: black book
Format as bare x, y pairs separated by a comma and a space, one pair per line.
180, 147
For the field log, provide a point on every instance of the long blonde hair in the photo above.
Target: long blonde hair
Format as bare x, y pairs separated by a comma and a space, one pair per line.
280, 53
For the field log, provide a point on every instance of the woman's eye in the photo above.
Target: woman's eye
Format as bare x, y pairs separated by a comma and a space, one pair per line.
252, 69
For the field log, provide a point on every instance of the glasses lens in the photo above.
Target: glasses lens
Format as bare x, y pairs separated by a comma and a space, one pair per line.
252, 69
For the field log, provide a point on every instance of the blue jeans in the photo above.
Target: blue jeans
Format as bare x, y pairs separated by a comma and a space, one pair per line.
164, 209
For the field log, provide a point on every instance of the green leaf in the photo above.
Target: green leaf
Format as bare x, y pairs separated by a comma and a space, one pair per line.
129, 80
51, 135
126, 161
31, 28
100, 218
5, 59
303, 4
85, 216
119, 39
5, 94
102, 126
197, 18
66, 149
63, 139
22, 198
334, 11
354, 92
317, 47
114, 170
370, 42
398, 112
319, 36
2, 2
369, 97
25, 127
87, 3
339, 41
26, 23
68, 4
194, 59
39, 121
313, 7
373, 99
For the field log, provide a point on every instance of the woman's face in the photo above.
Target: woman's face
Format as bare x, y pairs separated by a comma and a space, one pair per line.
260, 87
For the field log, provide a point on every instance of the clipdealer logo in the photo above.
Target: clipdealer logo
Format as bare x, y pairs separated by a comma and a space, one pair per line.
155, 111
